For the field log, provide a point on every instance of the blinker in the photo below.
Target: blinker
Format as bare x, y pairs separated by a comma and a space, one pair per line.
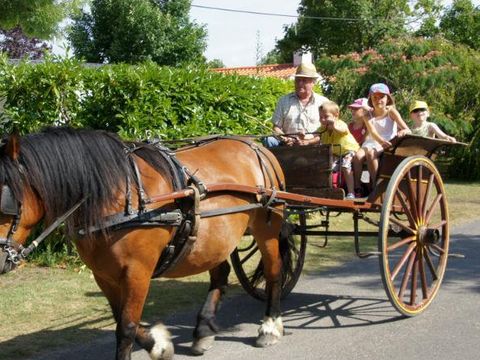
8, 203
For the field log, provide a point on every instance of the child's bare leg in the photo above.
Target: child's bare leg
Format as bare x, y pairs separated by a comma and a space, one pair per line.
347, 171
348, 174
372, 165
358, 160
373, 168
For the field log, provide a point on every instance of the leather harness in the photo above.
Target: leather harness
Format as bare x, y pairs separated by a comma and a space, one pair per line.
184, 216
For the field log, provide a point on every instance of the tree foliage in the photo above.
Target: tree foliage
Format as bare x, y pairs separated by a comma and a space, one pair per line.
134, 31
461, 23
36, 18
341, 26
17, 45
215, 63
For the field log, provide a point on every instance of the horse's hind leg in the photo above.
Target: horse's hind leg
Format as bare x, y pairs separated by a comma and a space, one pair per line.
267, 237
206, 328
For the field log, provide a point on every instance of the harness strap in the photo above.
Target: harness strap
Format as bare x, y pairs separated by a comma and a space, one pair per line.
142, 197
230, 210
280, 182
128, 197
155, 217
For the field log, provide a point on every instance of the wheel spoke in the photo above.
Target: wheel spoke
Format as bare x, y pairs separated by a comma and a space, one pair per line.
439, 225
249, 255
402, 225
427, 195
423, 276
413, 292
411, 197
419, 191
402, 261
406, 208
438, 248
406, 275
430, 265
432, 208
401, 243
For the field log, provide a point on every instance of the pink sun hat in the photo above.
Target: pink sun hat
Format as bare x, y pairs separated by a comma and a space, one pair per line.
382, 89
359, 103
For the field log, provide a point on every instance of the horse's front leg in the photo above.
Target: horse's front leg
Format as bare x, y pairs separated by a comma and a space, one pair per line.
271, 329
206, 328
127, 300
155, 340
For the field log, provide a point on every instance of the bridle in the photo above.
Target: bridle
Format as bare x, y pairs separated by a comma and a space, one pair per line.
11, 252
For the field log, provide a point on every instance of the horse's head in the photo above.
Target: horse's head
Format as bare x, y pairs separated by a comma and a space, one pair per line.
20, 209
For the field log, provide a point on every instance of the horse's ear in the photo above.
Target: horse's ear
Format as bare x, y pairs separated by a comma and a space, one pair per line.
12, 147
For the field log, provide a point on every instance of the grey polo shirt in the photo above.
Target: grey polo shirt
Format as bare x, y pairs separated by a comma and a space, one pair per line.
292, 117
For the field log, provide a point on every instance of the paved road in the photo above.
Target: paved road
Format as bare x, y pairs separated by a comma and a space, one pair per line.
342, 314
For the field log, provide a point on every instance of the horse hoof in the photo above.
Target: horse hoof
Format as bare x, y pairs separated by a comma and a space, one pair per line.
270, 332
265, 340
201, 345
163, 347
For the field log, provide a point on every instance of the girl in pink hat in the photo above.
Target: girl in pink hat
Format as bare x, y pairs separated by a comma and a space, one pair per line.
385, 124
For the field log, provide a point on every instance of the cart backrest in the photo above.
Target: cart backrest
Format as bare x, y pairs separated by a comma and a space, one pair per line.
402, 148
308, 170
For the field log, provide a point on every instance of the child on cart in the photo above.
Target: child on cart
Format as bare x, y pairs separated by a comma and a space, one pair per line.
335, 132
419, 113
385, 124
360, 114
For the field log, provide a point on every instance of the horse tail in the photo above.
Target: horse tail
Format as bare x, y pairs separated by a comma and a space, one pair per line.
290, 256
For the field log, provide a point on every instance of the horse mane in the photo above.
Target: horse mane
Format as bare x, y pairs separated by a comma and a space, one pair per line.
64, 165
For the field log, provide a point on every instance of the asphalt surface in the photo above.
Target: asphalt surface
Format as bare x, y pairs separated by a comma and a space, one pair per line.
341, 314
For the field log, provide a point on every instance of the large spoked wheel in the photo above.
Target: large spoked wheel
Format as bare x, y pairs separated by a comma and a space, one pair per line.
247, 263
414, 235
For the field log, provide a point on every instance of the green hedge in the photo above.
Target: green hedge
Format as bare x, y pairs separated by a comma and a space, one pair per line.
137, 102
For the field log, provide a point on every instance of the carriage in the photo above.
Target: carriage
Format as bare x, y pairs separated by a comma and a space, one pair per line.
411, 210
140, 210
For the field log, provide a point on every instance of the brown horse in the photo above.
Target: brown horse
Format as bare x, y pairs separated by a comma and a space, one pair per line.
143, 212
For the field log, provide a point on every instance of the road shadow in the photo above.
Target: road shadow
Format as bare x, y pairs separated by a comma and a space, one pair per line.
300, 311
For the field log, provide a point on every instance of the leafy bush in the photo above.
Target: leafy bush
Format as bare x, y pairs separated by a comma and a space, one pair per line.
445, 75
137, 101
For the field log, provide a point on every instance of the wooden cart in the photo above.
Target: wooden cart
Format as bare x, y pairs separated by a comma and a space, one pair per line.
412, 219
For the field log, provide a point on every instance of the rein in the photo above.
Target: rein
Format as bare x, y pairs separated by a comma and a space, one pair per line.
16, 252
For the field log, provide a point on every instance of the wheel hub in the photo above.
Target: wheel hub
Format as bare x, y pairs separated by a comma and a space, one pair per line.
428, 236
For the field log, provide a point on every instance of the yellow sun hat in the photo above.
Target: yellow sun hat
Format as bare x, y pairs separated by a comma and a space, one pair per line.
417, 104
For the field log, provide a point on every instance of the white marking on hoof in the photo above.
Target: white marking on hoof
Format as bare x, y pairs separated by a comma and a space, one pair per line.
270, 332
201, 345
163, 348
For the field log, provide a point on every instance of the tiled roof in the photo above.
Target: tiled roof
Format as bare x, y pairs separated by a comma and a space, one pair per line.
283, 71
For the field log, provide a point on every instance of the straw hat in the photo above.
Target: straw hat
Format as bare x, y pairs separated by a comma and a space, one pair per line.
307, 70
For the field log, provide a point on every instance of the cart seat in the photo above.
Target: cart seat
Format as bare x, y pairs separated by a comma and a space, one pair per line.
308, 170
